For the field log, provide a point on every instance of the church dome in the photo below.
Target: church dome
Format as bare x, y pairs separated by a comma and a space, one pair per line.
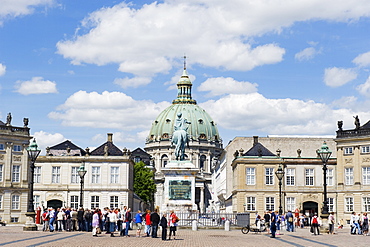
202, 126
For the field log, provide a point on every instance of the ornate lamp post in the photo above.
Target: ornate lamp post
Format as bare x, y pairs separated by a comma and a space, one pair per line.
33, 152
324, 154
82, 173
280, 174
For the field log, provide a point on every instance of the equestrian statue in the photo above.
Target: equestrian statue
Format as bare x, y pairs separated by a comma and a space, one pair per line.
180, 136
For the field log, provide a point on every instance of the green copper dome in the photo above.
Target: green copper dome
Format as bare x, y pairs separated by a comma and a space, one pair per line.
202, 126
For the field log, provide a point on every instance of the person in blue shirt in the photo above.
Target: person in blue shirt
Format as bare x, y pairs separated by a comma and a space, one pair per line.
138, 221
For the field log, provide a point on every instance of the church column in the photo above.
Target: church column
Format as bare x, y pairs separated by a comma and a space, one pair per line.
201, 203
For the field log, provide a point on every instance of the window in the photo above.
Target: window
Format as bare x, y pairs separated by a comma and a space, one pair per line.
15, 202
269, 176
366, 204
348, 150
1, 146
365, 149
17, 148
37, 174
75, 178
14, 219
94, 202
251, 203
55, 175
164, 160
74, 202
114, 202
1, 201
114, 174
137, 159
16, 173
348, 173
36, 201
366, 175
290, 176
310, 177
270, 203
331, 204
251, 176
349, 204
330, 177
290, 203
95, 174
1, 172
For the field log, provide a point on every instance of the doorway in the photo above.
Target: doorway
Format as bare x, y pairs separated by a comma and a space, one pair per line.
310, 208
54, 204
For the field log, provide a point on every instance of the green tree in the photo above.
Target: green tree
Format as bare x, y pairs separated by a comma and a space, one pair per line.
144, 185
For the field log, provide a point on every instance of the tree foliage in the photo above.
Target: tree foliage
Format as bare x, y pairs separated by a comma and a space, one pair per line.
144, 185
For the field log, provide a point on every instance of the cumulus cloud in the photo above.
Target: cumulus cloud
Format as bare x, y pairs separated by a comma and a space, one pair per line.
107, 110
336, 77
2, 69
45, 139
276, 116
14, 8
306, 54
221, 85
132, 82
362, 60
364, 89
37, 85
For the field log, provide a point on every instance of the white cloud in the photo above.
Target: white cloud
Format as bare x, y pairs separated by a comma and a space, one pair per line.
362, 60
45, 139
37, 85
364, 89
276, 116
14, 8
336, 77
132, 82
146, 41
306, 54
107, 110
221, 85
2, 69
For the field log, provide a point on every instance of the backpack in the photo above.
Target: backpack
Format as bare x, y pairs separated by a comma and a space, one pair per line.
314, 220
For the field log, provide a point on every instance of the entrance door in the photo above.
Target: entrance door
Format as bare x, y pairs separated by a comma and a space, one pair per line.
310, 208
55, 204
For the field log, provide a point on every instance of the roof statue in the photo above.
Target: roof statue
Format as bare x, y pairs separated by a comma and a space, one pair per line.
9, 119
180, 136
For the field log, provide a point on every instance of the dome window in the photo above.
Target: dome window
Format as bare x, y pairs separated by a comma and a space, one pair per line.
168, 120
213, 123
203, 136
200, 121
156, 122
165, 136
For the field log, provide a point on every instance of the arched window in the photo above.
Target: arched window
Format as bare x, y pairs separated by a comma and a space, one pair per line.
202, 161
164, 160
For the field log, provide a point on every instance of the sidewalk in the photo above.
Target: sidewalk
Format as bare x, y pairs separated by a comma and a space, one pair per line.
14, 236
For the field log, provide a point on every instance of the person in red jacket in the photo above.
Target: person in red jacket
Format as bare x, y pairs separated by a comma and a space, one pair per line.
148, 223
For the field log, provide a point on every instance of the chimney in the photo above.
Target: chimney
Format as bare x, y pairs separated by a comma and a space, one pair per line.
255, 140
110, 137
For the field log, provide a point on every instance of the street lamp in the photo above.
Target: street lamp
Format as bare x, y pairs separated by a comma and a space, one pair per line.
33, 152
324, 154
280, 174
81, 173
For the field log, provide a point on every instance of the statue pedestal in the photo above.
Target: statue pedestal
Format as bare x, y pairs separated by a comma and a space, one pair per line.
30, 222
179, 186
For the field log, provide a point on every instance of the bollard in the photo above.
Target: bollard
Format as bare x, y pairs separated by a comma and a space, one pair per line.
227, 225
194, 225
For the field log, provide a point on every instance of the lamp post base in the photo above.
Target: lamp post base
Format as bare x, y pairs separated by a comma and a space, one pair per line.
30, 223
324, 227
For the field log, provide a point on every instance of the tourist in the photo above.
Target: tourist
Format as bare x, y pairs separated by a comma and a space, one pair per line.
87, 220
95, 223
60, 218
51, 219
128, 219
68, 223
289, 220
163, 224
331, 223
138, 221
267, 219
45, 220
112, 222
365, 224
119, 219
173, 224
355, 223
273, 224
74, 219
148, 223
278, 223
80, 219
154, 218
315, 225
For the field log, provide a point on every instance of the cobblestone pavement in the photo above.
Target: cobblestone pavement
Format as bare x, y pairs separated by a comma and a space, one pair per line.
15, 236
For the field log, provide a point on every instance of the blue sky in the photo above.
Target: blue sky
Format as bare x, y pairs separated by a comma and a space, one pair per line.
81, 69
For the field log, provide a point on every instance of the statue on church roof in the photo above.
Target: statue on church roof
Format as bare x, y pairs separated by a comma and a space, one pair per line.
357, 122
9, 119
180, 136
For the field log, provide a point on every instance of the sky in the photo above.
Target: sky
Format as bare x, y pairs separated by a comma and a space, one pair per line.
81, 69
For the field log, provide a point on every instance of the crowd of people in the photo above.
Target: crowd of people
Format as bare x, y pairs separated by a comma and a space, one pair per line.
110, 221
